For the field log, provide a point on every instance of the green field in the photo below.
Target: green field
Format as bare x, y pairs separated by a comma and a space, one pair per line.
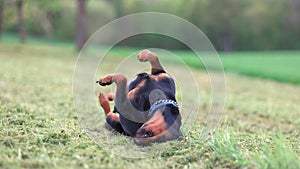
278, 65
281, 66
39, 127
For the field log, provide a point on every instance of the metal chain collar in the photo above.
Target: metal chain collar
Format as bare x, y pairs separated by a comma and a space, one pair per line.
159, 104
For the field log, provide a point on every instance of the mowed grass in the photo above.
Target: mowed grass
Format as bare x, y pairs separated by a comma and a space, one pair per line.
39, 127
281, 66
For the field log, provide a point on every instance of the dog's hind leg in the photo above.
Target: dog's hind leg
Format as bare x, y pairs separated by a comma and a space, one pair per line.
152, 58
112, 119
104, 102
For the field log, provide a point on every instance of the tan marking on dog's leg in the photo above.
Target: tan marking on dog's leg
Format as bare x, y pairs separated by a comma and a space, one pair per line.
114, 116
104, 102
131, 94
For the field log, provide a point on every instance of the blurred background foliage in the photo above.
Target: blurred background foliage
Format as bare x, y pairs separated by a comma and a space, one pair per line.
229, 24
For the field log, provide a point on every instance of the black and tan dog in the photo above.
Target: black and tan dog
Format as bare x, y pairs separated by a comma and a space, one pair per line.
146, 109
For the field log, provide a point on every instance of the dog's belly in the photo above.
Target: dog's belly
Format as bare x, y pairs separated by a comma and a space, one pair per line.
139, 91
144, 90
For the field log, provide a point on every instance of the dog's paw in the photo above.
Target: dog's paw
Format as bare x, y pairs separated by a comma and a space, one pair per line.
107, 80
144, 55
103, 100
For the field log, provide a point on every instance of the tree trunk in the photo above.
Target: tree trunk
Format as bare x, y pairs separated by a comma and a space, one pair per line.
1, 16
81, 27
19, 4
118, 6
227, 43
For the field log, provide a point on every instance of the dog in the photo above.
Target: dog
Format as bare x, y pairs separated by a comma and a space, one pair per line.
146, 109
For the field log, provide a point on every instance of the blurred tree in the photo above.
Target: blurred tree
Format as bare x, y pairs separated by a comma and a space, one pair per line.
105, 9
1, 16
261, 26
118, 7
81, 28
291, 36
19, 5
195, 11
229, 24
49, 13
224, 17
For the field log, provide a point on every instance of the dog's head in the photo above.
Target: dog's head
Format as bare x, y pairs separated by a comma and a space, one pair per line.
163, 124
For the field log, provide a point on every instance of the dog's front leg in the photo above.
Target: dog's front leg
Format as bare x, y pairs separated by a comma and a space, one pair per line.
122, 103
121, 90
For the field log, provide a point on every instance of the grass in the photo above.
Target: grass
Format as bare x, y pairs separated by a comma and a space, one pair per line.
40, 129
279, 156
282, 66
